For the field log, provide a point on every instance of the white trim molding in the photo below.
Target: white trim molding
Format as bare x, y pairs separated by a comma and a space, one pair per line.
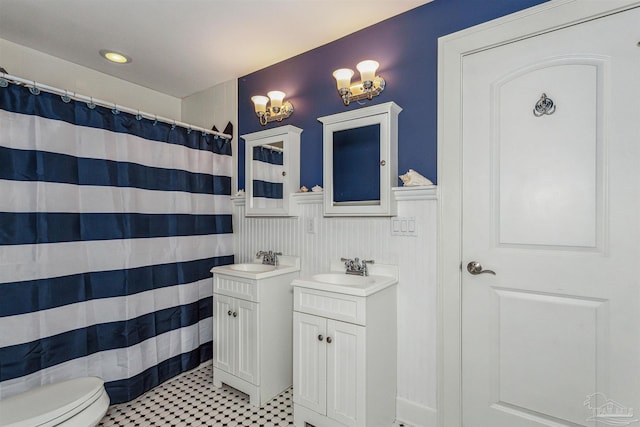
308, 197
414, 414
425, 192
550, 16
239, 200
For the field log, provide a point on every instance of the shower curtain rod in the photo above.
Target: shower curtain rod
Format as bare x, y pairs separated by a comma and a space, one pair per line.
272, 148
72, 95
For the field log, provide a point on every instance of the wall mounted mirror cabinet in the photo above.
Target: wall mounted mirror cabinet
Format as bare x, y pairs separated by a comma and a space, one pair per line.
360, 152
272, 168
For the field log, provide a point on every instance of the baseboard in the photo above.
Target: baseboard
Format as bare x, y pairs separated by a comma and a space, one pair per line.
414, 414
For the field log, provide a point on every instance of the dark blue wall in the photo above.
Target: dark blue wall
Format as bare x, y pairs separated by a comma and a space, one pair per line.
405, 46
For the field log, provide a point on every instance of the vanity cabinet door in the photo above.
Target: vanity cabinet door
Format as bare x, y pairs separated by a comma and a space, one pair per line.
346, 370
309, 361
246, 324
236, 337
329, 368
224, 334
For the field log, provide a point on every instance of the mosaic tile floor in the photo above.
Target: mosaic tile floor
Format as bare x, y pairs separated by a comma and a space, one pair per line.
192, 400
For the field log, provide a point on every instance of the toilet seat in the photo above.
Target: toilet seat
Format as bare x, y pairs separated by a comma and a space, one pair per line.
54, 404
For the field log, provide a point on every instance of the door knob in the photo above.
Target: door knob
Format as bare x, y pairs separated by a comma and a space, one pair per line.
474, 267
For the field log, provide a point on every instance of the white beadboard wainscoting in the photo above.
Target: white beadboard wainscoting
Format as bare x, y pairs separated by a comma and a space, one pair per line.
369, 238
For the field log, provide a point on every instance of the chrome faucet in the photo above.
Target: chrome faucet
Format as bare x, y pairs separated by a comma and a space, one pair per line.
269, 258
356, 266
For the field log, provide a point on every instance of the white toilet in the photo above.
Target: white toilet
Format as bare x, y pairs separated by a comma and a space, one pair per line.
81, 402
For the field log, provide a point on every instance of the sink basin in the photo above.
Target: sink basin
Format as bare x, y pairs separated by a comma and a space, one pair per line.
252, 268
380, 277
342, 279
258, 271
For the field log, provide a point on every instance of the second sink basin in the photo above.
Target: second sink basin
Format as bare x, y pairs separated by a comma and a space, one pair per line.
342, 279
252, 267
380, 277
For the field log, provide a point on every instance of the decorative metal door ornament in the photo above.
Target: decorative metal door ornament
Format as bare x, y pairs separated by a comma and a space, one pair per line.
544, 106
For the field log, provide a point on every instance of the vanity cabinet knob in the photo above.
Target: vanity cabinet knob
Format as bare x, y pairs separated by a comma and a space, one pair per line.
382, 162
235, 314
284, 173
320, 337
229, 313
329, 340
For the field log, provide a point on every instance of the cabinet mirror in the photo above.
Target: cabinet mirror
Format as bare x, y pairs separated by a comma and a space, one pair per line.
272, 165
360, 161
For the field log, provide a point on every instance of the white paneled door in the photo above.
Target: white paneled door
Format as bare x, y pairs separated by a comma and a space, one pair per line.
551, 204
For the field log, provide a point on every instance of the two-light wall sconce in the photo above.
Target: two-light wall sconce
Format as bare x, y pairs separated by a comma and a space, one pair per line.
272, 107
369, 85
276, 111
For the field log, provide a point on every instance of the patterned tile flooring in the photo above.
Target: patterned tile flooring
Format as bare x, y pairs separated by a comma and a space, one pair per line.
192, 400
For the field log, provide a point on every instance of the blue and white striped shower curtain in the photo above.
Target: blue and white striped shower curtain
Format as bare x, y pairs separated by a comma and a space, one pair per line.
109, 225
268, 181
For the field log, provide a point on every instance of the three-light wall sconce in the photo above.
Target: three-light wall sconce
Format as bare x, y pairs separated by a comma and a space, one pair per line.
369, 85
276, 111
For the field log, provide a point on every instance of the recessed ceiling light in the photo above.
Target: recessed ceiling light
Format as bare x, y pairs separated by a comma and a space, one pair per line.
116, 57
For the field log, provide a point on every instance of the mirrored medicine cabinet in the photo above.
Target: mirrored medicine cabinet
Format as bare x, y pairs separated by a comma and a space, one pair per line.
272, 168
360, 152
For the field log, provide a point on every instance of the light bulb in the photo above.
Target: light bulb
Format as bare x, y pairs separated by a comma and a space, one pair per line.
343, 78
116, 57
276, 99
260, 103
367, 70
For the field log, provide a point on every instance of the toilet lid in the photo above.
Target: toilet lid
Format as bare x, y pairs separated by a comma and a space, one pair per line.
41, 405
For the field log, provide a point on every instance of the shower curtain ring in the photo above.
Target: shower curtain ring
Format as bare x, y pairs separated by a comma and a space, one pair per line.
34, 89
138, 116
115, 110
173, 126
189, 130
3, 81
90, 104
65, 98
206, 137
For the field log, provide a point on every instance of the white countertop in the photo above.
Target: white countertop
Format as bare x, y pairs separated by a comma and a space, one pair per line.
286, 264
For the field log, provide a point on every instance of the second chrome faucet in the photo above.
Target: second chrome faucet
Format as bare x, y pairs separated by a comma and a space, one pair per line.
356, 266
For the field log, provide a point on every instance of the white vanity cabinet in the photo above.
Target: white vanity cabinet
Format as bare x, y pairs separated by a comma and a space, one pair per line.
344, 362
252, 331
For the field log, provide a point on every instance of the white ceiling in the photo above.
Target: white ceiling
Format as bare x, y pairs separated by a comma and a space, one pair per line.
180, 47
